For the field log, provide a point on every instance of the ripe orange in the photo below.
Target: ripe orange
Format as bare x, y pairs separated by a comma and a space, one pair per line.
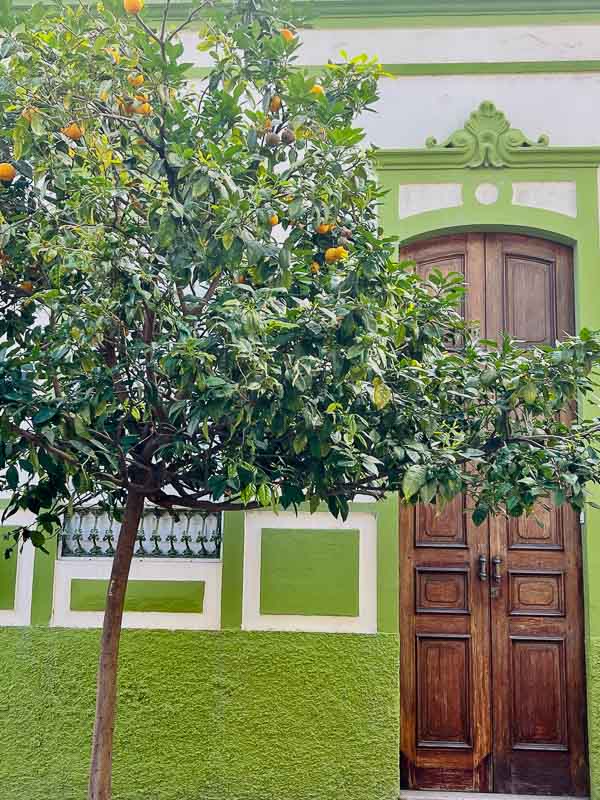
315, 267
331, 255
274, 219
317, 89
73, 131
324, 227
275, 104
133, 6
7, 172
287, 34
26, 286
342, 253
145, 109
135, 79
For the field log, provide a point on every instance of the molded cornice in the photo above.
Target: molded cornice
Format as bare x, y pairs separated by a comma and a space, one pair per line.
487, 140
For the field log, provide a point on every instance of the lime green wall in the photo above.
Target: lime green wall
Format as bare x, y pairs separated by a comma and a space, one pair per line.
216, 716
167, 596
309, 572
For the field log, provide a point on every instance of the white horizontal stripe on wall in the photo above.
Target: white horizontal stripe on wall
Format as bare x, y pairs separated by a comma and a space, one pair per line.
566, 107
439, 45
209, 571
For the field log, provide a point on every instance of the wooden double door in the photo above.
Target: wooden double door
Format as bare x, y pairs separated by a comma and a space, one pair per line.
492, 637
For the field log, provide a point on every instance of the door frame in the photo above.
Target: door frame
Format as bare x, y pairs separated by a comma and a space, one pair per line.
483, 255
486, 190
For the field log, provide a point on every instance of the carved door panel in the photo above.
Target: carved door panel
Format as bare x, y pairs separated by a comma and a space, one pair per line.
445, 637
538, 699
492, 670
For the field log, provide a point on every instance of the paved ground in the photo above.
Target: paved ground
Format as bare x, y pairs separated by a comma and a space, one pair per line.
470, 796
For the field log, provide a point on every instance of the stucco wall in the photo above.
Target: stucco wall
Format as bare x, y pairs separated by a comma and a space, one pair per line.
235, 716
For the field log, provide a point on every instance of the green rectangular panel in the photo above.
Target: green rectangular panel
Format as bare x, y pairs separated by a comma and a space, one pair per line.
181, 597
310, 572
8, 572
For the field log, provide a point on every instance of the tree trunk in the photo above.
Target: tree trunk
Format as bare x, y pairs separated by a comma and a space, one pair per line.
100, 785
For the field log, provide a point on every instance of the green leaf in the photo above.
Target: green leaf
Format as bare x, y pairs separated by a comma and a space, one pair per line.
44, 414
12, 477
264, 495
381, 393
529, 393
414, 477
480, 513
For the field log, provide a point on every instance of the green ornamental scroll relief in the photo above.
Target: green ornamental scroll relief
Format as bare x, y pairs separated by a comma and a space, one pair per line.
487, 138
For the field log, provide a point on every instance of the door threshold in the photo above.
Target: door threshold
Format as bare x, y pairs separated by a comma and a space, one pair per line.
429, 795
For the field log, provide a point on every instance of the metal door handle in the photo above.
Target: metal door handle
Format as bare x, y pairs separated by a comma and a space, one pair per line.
483, 564
497, 573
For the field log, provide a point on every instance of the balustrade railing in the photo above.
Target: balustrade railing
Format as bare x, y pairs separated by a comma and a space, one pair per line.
93, 532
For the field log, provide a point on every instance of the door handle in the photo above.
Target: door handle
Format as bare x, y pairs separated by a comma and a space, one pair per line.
497, 572
483, 565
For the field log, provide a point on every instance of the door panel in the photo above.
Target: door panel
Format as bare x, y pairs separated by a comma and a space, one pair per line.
492, 675
538, 698
445, 638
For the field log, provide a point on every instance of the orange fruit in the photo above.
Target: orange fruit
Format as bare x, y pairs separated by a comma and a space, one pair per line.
73, 131
287, 34
26, 286
133, 6
324, 227
7, 172
275, 104
145, 109
331, 255
317, 89
315, 267
274, 219
135, 79
342, 253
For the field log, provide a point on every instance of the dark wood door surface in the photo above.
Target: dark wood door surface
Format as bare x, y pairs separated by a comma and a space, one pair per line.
492, 662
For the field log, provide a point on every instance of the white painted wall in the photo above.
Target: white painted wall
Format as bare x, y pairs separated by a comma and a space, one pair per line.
441, 45
564, 106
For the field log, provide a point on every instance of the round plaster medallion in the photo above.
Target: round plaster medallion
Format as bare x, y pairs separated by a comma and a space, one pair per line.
486, 194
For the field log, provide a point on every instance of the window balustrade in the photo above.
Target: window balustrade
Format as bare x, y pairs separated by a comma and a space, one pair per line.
94, 532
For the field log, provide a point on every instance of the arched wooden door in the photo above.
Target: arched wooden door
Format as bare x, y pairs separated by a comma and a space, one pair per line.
491, 619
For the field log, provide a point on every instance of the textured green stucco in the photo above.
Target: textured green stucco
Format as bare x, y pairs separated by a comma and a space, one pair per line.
8, 573
312, 572
165, 596
593, 687
204, 716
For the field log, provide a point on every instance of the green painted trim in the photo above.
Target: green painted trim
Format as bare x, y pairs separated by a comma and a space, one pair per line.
169, 597
387, 565
460, 68
8, 572
43, 583
309, 572
493, 68
232, 580
487, 140
367, 22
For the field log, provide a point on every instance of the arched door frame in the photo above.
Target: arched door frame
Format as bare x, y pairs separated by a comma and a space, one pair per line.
482, 180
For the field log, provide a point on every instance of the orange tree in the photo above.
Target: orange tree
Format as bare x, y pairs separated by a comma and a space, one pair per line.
198, 309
